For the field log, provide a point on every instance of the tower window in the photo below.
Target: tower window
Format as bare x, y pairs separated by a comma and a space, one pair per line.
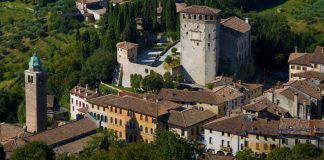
208, 45
205, 17
211, 17
208, 36
200, 17
195, 17
197, 26
189, 17
186, 33
183, 15
197, 44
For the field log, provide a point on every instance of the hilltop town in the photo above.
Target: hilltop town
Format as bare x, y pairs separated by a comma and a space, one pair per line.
158, 80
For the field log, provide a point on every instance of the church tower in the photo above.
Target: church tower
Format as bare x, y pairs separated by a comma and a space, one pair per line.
200, 38
35, 90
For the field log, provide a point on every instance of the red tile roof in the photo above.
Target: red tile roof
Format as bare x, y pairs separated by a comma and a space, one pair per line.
201, 10
126, 45
236, 24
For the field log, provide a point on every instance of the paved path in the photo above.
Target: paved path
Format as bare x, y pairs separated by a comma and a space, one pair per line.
110, 86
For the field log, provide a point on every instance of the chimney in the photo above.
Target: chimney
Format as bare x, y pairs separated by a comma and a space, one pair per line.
247, 20
296, 49
79, 90
86, 90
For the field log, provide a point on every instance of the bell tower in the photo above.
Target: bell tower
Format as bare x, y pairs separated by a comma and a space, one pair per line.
35, 91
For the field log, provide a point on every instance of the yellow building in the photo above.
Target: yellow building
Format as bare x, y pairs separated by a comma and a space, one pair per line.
130, 118
302, 62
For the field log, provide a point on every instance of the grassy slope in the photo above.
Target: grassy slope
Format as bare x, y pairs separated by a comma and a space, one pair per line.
290, 8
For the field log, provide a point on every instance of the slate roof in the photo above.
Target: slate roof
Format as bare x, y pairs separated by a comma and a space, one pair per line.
201, 10
126, 45
66, 133
310, 75
81, 92
242, 123
188, 117
190, 96
236, 24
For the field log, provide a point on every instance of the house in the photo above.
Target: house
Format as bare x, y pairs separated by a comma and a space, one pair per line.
78, 99
233, 97
250, 90
91, 9
130, 118
302, 62
188, 122
228, 135
54, 110
301, 98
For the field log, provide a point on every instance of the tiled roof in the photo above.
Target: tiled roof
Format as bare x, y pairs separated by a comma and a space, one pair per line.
301, 127
249, 86
310, 75
201, 10
126, 45
244, 123
12, 144
188, 117
264, 104
289, 93
73, 147
9, 131
318, 55
83, 110
306, 87
101, 101
66, 133
227, 92
300, 58
236, 24
146, 107
152, 97
180, 6
190, 96
81, 92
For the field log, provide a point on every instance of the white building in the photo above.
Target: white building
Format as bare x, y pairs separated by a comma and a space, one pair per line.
78, 99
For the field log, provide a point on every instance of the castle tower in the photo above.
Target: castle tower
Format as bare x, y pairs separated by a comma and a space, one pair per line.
35, 90
199, 33
126, 52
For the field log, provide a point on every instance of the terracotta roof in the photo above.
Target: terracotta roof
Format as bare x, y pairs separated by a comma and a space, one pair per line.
227, 92
101, 101
301, 127
310, 75
249, 86
10, 131
244, 123
318, 55
300, 58
306, 87
289, 93
188, 117
190, 96
152, 97
146, 107
83, 110
12, 144
66, 133
236, 24
81, 92
126, 45
263, 103
180, 6
73, 147
201, 10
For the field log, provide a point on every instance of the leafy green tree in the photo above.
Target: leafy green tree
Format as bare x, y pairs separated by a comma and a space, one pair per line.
21, 112
99, 67
33, 150
179, 78
246, 154
279, 154
136, 80
152, 82
168, 59
77, 35
304, 151
86, 36
102, 142
168, 83
8, 106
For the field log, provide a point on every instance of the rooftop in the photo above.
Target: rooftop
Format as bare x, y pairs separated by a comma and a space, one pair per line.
84, 92
126, 45
310, 75
306, 59
318, 55
306, 87
65, 133
301, 127
35, 63
263, 104
188, 117
190, 96
201, 10
236, 24
227, 92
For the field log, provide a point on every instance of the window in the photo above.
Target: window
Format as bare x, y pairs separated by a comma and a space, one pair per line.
297, 141
222, 143
223, 133
71, 100
120, 122
102, 118
151, 130
205, 17
141, 117
228, 144
210, 140
208, 36
197, 44
115, 109
257, 136
120, 134
283, 141
72, 108
183, 16
292, 67
304, 68
211, 17
105, 118
298, 67
192, 131
182, 132
197, 26
146, 119
115, 120
195, 17
210, 131
228, 134
265, 146
141, 128
120, 111
307, 141
189, 17
257, 146
265, 138
187, 33
111, 120
208, 45
111, 109
146, 130
200, 17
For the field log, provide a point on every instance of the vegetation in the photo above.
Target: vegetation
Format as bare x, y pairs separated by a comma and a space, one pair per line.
33, 150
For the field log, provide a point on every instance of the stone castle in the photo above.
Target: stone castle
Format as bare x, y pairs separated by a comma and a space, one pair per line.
209, 46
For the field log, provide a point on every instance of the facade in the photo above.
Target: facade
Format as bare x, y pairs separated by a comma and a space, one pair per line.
35, 91
228, 135
78, 99
233, 97
250, 90
131, 118
91, 9
302, 62
217, 44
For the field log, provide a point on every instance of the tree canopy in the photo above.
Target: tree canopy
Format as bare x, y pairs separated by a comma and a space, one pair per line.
33, 150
